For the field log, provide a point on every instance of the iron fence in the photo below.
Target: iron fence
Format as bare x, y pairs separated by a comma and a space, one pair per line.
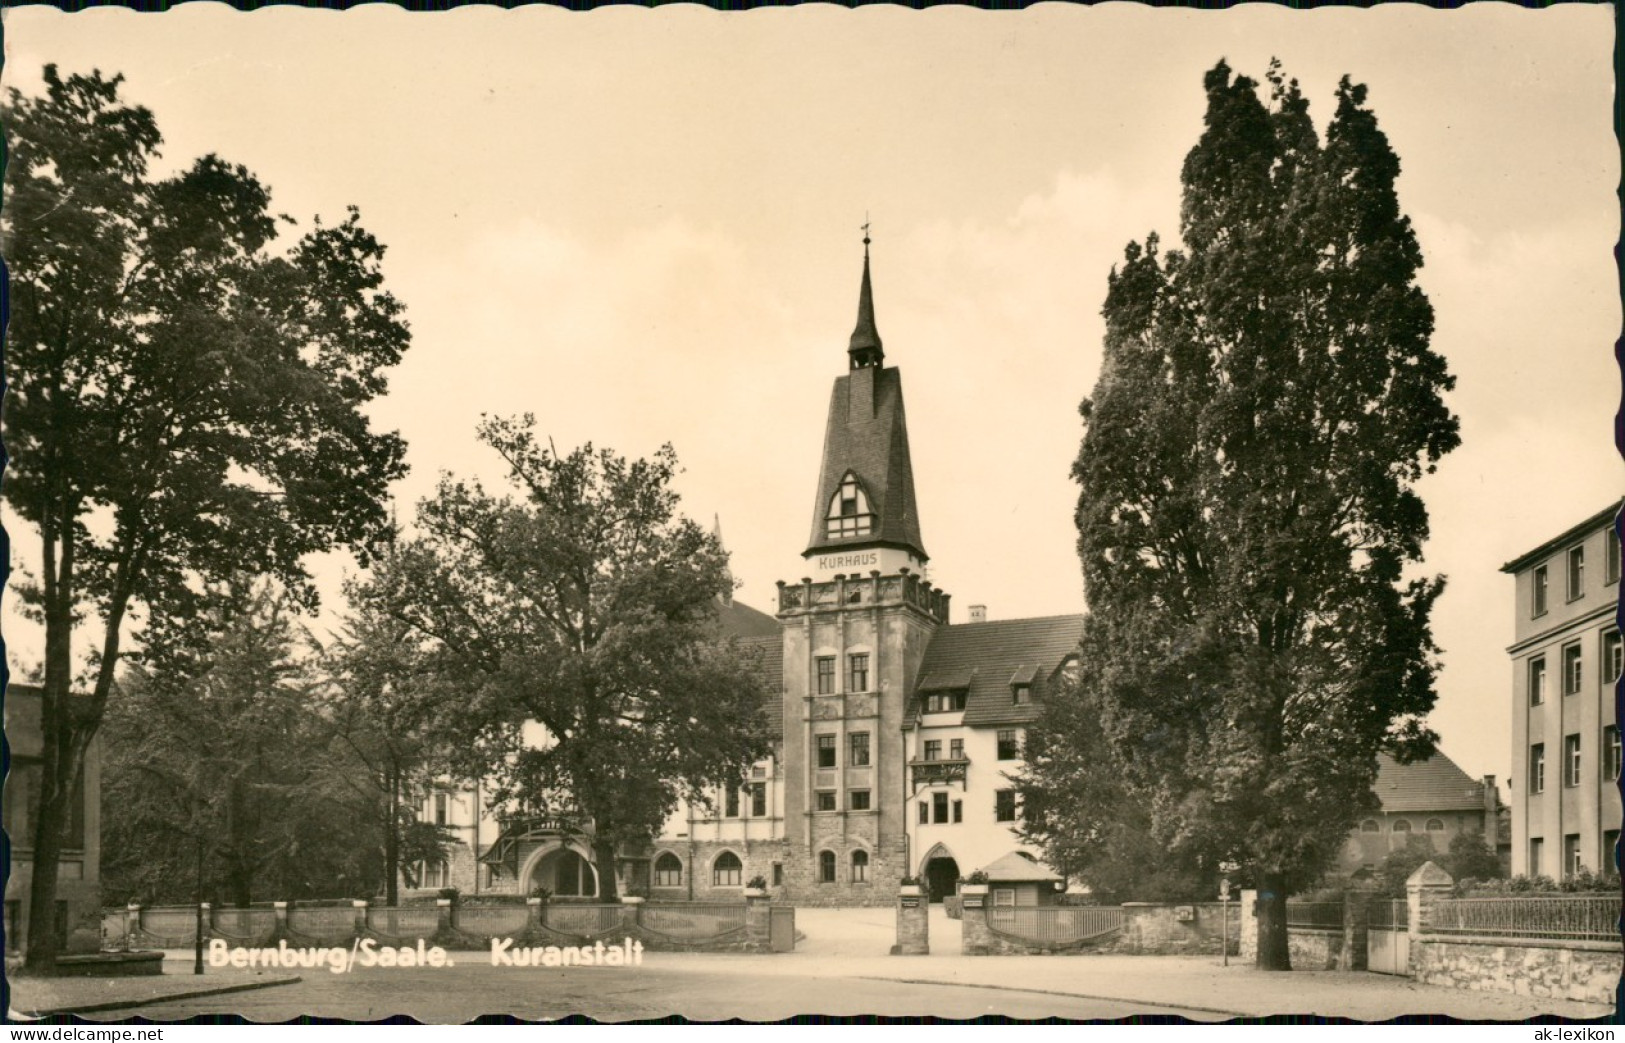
1583, 917
1056, 925
1317, 915
581, 919
325, 925
693, 921
492, 921
411, 921
1388, 913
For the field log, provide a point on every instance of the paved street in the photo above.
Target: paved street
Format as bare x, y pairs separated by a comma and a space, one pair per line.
841, 967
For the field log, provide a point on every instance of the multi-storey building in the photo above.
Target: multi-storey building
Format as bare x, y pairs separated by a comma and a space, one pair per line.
1565, 667
898, 734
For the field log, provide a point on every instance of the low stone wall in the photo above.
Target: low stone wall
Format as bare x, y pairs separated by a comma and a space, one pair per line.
1155, 929
1315, 948
1573, 970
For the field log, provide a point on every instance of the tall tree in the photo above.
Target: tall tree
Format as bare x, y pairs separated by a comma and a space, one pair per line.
185, 403
1267, 402
585, 605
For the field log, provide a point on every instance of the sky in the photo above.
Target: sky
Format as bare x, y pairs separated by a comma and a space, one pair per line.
644, 227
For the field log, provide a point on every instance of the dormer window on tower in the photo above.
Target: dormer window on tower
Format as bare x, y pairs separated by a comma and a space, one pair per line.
849, 512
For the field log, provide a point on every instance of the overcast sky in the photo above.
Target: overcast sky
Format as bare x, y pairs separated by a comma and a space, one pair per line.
643, 226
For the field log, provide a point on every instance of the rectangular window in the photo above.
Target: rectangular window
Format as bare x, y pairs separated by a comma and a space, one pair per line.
956, 749
826, 674
1573, 676
959, 811
1007, 745
933, 749
857, 674
1610, 556
1537, 768
778, 874
731, 803
1610, 753
858, 800
944, 702
758, 799
1537, 856
668, 872
860, 750
826, 800
826, 751
1021, 694
1537, 592
1571, 760
925, 813
1576, 572
440, 809
860, 867
1571, 854
1537, 680
1610, 839
1004, 805
939, 807
1611, 658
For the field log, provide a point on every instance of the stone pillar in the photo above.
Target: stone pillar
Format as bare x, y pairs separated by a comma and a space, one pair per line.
442, 920
1247, 936
533, 915
1356, 930
132, 924
758, 921
631, 913
1424, 887
360, 906
913, 922
976, 939
281, 931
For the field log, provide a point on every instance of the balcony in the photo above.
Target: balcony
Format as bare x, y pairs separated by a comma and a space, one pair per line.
931, 773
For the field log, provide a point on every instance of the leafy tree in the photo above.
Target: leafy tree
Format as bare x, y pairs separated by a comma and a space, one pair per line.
1267, 402
1397, 867
185, 403
587, 606
1471, 858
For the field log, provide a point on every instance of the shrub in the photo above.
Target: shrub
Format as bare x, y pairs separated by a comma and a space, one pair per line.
977, 877
759, 882
909, 881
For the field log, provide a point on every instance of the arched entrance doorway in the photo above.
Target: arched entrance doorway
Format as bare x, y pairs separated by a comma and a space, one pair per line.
564, 872
941, 873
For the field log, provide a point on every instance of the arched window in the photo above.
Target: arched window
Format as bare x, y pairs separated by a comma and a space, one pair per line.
1435, 825
668, 871
849, 513
860, 867
1370, 826
726, 870
1402, 826
826, 867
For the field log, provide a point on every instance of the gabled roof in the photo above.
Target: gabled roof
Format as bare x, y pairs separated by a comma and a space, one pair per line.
769, 652
740, 620
1017, 867
867, 435
1435, 784
985, 658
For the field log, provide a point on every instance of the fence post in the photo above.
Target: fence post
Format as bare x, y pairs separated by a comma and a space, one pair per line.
1356, 930
1247, 933
913, 922
533, 915
132, 924
281, 931
1424, 887
631, 913
360, 907
975, 940
758, 922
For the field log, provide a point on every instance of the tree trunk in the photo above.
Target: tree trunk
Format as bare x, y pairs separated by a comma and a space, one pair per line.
1273, 951
603, 856
392, 836
58, 767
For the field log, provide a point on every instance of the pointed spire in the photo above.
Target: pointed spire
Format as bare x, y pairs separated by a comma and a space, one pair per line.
865, 349
716, 532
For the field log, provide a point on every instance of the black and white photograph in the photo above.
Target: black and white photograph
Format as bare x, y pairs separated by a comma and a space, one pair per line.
469, 557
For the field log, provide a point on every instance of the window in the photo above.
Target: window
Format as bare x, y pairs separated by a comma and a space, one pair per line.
668, 871
860, 867
956, 749
1370, 826
826, 674
959, 811
758, 799
1537, 768
1571, 760
1576, 572
857, 672
1537, 680
939, 807
1021, 694
433, 874
1611, 657
1571, 854
778, 874
858, 799
1537, 855
826, 751
933, 749
1004, 805
1402, 825
1610, 753
849, 513
1610, 556
731, 803
1007, 745
925, 813
826, 867
860, 749
440, 809
944, 702
1610, 840
1537, 592
1435, 825
1572, 667
826, 800
727, 870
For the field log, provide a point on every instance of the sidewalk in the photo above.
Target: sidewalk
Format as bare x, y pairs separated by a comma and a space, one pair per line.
37, 997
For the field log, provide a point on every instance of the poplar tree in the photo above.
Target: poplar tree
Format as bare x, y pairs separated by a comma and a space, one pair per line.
1248, 518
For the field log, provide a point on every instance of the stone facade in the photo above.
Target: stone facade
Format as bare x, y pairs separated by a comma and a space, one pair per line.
913, 925
1316, 949
1162, 930
1557, 969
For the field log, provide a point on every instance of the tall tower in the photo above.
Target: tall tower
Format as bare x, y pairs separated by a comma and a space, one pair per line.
855, 630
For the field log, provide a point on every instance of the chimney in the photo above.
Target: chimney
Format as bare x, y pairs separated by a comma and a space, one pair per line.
978, 613
1492, 807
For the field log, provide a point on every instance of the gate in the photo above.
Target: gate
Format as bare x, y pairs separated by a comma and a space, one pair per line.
781, 928
1388, 941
